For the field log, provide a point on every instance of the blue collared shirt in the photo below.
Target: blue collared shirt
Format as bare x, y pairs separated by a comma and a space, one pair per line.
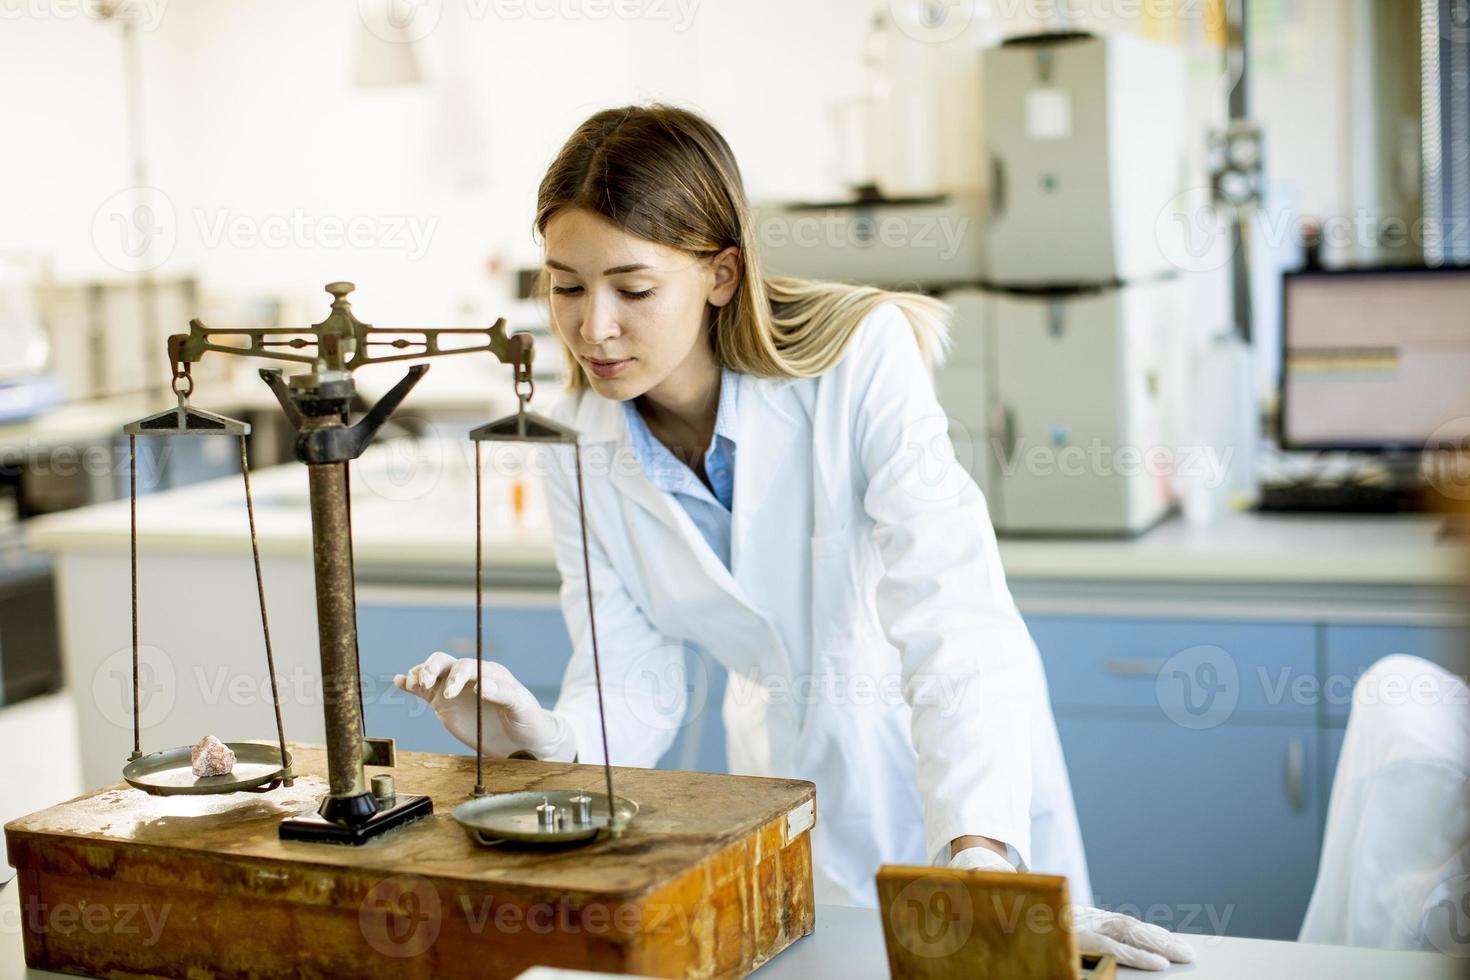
710, 512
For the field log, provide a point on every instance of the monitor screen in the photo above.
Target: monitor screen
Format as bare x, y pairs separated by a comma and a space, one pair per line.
1376, 359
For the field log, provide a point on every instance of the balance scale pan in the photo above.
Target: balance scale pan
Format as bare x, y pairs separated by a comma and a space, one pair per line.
171, 772
490, 820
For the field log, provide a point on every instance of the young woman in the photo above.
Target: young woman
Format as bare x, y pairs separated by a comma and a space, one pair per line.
770, 481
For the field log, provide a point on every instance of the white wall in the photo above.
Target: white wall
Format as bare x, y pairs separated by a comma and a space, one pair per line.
253, 116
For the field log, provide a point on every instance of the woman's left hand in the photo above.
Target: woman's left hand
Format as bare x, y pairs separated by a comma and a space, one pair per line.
1141, 945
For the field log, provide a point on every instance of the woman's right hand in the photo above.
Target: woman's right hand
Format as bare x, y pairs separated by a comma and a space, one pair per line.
513, 720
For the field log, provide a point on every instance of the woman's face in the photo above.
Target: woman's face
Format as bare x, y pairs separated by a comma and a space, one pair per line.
632, 311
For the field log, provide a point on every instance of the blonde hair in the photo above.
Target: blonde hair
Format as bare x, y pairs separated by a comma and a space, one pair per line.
666, 175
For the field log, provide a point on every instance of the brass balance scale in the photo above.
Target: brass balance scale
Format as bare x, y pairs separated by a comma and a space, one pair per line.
713, 878
317, 405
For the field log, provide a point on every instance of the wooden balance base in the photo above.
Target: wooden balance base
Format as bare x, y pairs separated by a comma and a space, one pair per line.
712, 880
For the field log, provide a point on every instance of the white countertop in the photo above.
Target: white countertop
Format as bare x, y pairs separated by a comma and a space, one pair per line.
413, 508
848, 944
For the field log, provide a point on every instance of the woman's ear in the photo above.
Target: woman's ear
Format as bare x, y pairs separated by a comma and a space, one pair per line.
727, 269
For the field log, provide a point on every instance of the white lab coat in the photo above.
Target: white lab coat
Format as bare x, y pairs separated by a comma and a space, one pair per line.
872, 645
1395, 868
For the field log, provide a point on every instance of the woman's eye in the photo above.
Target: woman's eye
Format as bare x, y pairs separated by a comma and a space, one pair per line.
640, 294
566, 290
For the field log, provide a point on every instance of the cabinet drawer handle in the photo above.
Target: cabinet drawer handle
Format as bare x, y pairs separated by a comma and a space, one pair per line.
1296, 765
1005, 440
1133, 667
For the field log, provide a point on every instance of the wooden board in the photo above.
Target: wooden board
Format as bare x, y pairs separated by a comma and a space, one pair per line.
946, 922
706, 882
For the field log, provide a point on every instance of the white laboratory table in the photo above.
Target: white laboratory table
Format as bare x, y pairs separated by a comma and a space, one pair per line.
848, 945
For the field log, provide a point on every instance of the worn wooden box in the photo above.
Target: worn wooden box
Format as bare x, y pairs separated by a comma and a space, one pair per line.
951, 922
712, 879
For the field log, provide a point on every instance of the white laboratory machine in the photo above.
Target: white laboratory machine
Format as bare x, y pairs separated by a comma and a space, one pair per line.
1086, 141
1084, 316
933, 242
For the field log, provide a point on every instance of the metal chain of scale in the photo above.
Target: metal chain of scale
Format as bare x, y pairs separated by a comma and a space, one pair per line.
526, 427
185, 420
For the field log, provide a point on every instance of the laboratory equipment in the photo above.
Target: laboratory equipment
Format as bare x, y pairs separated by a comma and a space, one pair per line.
1081, 442
509, 814
317, 405
1086, 136
1084, 319
168, 772
930, 242
1372, 366
549, 817
1376, 359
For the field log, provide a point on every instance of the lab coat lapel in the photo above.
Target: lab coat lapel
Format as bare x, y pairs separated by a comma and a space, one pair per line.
606, 424
738, 633
607, 449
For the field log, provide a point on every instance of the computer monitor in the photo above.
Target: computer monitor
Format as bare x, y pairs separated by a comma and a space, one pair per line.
1376, 359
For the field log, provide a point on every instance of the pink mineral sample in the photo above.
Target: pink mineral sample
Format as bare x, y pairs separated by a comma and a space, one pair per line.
211, 757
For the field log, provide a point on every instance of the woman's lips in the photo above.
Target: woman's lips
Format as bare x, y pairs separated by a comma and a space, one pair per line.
608, 369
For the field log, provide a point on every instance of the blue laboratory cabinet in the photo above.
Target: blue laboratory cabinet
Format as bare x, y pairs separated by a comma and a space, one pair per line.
1201, 755
1192, 749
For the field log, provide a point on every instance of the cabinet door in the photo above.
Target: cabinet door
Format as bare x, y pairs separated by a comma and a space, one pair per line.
1212, 831
1351, 650
1202, 673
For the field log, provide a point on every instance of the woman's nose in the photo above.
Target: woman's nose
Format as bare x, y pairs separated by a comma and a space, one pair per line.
600, 324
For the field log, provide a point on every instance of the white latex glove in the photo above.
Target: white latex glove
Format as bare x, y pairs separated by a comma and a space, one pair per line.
1141, 945
513, 720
